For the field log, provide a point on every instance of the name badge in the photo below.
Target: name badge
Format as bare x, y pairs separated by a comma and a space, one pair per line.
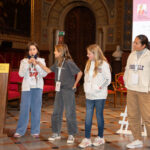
135, 78
136, 67
57, 88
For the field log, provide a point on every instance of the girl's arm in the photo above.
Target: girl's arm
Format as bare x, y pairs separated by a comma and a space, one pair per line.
79, 75
107, 75
126, 70
40, 70
24, 66
43, 67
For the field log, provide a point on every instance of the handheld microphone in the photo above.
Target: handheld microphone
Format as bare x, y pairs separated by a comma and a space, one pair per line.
32, 63
32, 56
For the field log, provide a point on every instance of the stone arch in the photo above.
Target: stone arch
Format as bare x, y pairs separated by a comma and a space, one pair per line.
60, 8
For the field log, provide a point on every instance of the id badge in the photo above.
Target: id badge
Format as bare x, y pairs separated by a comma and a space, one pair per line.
136, 67
57, 88
135, 78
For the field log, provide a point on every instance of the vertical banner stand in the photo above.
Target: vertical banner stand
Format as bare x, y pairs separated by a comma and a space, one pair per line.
124, 125
4, 70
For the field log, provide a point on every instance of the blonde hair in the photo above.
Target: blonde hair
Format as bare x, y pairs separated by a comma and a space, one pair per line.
99, 58
63, 49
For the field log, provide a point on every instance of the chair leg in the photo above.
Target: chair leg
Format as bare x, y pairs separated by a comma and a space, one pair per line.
121, 98
115, 100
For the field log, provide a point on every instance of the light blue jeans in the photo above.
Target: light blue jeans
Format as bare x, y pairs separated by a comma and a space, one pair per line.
30, 101
90, 105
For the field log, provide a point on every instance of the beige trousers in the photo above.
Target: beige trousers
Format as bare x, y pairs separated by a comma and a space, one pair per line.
138, 104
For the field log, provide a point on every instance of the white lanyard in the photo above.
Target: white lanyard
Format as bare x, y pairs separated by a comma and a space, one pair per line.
59, 70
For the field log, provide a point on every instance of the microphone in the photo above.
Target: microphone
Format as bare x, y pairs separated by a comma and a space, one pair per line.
32, 63
32, 56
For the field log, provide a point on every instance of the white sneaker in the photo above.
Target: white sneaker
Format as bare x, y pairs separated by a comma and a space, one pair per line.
135, 144
54, 137
70, 139
98, 141
85, 143
17, 135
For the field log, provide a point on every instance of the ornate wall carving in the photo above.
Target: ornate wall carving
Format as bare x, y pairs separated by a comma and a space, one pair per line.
111, 6
60, 8
127, 35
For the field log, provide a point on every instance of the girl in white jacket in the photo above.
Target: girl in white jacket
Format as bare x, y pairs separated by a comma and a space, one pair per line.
32, 88
137, 82
96, 80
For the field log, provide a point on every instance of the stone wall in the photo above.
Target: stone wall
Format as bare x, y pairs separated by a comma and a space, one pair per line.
47, 16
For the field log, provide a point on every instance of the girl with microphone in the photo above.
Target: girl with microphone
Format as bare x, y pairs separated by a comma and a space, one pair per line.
32, 88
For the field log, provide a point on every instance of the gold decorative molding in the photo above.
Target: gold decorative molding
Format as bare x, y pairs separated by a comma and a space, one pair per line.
14, 38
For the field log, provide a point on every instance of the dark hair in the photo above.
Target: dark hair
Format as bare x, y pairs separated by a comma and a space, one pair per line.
28, 48
144, 40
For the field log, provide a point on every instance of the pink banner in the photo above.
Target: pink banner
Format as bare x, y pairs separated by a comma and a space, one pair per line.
141, 10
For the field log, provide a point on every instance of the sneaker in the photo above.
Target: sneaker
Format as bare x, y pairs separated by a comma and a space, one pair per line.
17, 135
35, 135
135, 144
85, 143
98, 141
70, 139
54, 137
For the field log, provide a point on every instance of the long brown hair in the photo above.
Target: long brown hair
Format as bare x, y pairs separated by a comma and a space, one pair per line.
99, 58
28, 48
63, 49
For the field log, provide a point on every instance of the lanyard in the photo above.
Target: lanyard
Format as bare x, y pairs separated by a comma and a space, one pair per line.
59, 70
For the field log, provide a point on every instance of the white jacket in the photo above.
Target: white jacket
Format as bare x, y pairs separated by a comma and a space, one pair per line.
92, 84
142, 75
24, 72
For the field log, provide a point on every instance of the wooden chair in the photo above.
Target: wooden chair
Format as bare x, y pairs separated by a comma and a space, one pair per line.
120, 86
112, 91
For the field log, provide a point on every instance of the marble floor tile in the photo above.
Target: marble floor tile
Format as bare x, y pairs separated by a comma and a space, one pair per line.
27, 142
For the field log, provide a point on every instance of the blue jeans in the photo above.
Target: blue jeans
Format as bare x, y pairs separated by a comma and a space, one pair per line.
90, 104
30, 100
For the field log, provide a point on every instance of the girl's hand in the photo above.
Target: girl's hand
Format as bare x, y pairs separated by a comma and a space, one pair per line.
29, 61
74, 87
43, 67
33, 61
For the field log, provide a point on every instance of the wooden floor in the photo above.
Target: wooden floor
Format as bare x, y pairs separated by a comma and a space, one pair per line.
112, 116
